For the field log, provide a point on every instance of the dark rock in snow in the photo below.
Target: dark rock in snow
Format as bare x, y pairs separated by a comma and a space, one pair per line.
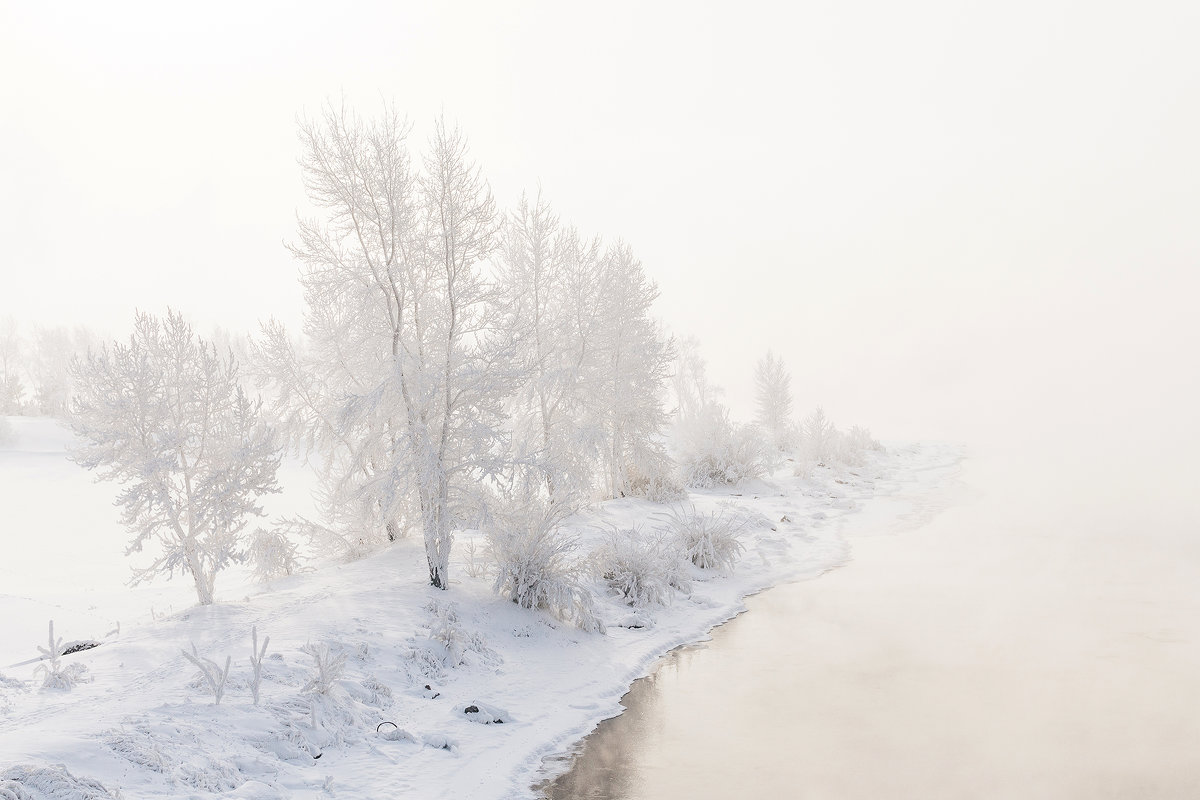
486, 715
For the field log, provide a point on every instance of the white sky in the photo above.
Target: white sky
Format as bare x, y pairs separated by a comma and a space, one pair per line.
936, 212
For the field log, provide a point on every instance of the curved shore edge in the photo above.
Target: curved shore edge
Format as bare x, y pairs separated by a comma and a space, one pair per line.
901, 497
146, 725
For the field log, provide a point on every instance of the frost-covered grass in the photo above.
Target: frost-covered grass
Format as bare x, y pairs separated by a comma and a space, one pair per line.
403, 663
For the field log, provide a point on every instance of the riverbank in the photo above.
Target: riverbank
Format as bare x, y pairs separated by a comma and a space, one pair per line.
146, 725
1034, 642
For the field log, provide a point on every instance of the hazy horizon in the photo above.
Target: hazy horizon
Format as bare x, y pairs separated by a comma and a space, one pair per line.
942, 218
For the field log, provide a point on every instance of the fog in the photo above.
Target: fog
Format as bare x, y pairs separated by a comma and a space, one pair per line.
939, 216
953, 222
1023, 643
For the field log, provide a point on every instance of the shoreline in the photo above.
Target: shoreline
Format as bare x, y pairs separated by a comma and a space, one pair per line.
556, 682
556, 765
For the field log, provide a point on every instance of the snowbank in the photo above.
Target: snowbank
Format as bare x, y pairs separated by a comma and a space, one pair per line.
381, 705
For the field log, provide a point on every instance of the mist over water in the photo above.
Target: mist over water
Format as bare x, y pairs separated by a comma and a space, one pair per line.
1038, 638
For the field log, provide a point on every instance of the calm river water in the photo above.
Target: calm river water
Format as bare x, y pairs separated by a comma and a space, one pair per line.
1038, 639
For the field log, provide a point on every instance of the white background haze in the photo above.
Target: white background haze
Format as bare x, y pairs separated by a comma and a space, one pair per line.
953, 222
940, 215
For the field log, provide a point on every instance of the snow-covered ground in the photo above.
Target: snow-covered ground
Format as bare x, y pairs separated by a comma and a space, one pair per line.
145, 724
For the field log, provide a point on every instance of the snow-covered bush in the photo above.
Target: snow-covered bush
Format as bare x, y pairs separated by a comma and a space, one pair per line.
29, 782
327, 667
654, 479
213, 675
712, 450
6, 432
853, 446
818, 438
257, 654
8, 687
710, 541
820, 442
447, 630
635, 566
55, 674
474, 562
536, 566
273, 554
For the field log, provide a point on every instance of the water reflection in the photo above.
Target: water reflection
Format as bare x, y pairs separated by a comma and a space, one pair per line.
604, 764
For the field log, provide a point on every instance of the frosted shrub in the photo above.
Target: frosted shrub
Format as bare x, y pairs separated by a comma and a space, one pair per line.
30, 782
273, 554
853, 446
712, 450
710, 541
634, 566
653, 477
446, 629
328, 668
818, 438
55, 674
536, 567
213, 675
8, 686
474, 564
6, 432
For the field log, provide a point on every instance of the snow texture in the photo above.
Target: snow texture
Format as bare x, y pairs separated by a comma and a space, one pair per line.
355, 646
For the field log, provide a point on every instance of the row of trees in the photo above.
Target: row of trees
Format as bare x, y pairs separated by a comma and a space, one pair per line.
452, 358
35, 367
457, 368
451, 354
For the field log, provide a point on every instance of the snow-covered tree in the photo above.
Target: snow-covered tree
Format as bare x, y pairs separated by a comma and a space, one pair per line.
49, 363
692, 391
409, 351
773, 396
709, 447
11, 387
163, 415
551, 277
634, 361
818, 437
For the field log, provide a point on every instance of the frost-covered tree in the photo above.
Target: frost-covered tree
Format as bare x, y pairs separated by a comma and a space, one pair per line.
709, 447
50, 357
400, 388
773, 398
818, 437
634, 362
692, 391
11, 387
551, 277
163, 415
